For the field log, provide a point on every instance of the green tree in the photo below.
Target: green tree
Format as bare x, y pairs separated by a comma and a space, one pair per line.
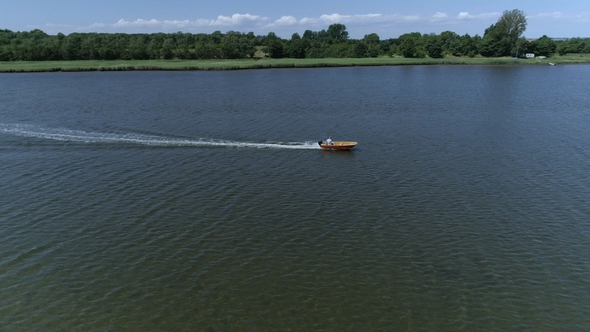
337, 32
448, 40
154, 45
207, 50
373, 45
503, 38
434, 46
182, 42
216, 37
574, 45
563, 48
296, 47
138, 48
340, 50
109, 48
168, 48
248, 43
465, 45
230, 45
578, 45
89, 46
71, 47
274, 46
494, 43
361, 50
410, 45
371, 39
309, 35
514, 23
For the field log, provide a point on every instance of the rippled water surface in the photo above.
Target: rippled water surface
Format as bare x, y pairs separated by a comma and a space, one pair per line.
200, 200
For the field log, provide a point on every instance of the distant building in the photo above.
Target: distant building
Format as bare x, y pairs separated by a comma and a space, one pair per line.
529, 55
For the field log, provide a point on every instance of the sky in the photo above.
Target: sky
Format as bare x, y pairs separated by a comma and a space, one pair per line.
387, 18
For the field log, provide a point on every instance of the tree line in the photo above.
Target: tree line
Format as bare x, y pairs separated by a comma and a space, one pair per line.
504, 38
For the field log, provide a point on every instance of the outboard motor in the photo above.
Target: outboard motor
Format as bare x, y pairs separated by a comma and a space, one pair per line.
320, 143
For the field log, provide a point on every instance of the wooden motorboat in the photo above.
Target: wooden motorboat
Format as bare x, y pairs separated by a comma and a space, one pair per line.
337, 145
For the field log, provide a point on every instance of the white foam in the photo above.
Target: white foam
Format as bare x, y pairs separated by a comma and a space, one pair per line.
67, 135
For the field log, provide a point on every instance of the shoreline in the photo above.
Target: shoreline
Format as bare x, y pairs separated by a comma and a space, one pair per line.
245, 64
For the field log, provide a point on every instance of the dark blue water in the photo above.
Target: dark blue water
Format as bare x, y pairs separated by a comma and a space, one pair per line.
200, 200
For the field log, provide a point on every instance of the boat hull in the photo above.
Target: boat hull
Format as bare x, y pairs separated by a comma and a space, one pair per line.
337, 145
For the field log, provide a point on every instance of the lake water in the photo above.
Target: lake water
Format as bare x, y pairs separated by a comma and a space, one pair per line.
200, 201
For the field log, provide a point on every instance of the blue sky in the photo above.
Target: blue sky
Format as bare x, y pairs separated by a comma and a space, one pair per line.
387, 18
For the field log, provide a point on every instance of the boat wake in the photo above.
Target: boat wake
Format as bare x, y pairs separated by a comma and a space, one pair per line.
79, 136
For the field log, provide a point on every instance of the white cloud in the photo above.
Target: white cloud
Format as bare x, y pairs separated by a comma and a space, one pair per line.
285, 21
246, 21
337, 18
308, 20
484, 16
97, 26
439, 16
326, 19
228, 21
333, 18
51, 25
580, 17
177, 24
411, 18
547, 15
464, 15
237, 19
287, 24
137, 23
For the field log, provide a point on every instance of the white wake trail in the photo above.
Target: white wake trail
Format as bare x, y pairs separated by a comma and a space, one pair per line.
67, 135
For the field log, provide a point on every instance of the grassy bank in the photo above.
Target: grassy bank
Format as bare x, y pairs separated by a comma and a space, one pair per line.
120, 65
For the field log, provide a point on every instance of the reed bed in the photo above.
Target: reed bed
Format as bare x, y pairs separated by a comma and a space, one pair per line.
241, 64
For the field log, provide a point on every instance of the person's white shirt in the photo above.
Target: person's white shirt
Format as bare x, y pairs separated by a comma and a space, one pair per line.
329, 141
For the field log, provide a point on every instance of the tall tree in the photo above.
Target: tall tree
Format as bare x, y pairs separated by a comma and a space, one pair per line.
494, 43
338, 32
513, 22
503, 38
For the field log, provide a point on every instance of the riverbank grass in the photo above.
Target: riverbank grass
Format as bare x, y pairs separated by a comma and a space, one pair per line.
123, 65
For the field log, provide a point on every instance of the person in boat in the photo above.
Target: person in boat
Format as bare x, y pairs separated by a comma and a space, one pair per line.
329, 141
